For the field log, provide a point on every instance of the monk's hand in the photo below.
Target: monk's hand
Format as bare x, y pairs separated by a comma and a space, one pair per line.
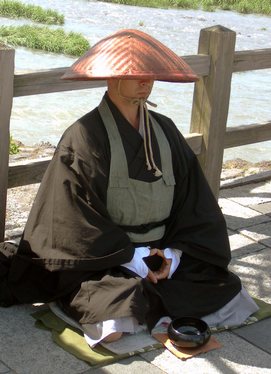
163, 271
151, 276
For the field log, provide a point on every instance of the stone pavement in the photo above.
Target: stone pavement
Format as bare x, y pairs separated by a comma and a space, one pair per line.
25, 349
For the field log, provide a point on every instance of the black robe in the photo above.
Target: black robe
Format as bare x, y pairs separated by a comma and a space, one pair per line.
71, 250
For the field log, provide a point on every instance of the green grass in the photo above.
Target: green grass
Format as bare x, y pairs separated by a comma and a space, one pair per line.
13, 146
242, 6
184, 4
44, 38
16, 9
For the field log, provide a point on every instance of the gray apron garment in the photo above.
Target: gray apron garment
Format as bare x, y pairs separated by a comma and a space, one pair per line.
132, 202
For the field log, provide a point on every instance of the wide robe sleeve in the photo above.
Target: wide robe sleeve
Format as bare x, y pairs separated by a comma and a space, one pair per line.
197, 225
69, 227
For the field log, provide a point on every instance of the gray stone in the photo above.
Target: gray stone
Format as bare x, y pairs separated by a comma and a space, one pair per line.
29, 350
4, 369
254, 271
259, 334
251, 194
242, 180
14, 233
260, 233
135, 364
241, 245
238, 216
226, 360
227, 174
264, 208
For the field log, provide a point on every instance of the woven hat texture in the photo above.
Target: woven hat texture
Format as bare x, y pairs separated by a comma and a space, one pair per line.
130, 54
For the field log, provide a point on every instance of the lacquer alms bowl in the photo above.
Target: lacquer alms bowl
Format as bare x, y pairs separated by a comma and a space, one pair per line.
188, 332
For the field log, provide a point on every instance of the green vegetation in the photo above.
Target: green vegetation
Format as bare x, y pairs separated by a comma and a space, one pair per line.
13, 146
185, 4
41, 38
44, 38
242, 6
15, 9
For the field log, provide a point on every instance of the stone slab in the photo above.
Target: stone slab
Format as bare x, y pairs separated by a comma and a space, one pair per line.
254, 271
14, 234
242, 245
258, 334
230, 174
259, 233
235, 356
4, 369
132, 365
26, 349
264, 208
238, 216
251, 194
232, 178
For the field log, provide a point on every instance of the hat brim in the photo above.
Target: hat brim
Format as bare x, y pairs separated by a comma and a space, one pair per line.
130, 54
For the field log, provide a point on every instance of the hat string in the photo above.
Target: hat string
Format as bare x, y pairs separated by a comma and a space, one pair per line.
144, 126
144, 123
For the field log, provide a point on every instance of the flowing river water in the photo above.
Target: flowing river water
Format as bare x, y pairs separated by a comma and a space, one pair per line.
44, 117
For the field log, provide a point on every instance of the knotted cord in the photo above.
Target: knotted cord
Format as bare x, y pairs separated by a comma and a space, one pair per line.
144, 129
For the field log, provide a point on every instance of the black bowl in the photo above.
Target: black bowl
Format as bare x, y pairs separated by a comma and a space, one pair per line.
188, 332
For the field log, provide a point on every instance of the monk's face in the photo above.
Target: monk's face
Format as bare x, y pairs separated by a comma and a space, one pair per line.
140, 89
130, 88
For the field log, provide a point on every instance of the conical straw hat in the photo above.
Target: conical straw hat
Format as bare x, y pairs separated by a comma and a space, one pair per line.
130, 54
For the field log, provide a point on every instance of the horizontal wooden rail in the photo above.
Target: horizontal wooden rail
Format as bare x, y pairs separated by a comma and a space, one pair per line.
252, 60
247, 134
48, 81
27, 172
31, 171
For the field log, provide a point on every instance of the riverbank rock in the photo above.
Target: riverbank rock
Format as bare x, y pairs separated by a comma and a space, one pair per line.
239, 172
44, 149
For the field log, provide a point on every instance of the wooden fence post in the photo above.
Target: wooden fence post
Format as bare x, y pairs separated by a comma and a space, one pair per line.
6, 97
211, 100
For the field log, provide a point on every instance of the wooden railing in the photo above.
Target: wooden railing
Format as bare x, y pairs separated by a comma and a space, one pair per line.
209, 136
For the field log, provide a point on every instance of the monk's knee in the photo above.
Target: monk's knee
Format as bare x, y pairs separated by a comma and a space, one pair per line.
112, 337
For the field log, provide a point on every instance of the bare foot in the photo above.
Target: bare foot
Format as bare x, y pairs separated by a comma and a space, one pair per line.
112, 337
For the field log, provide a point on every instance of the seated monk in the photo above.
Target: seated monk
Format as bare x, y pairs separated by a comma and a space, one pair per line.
125, 230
